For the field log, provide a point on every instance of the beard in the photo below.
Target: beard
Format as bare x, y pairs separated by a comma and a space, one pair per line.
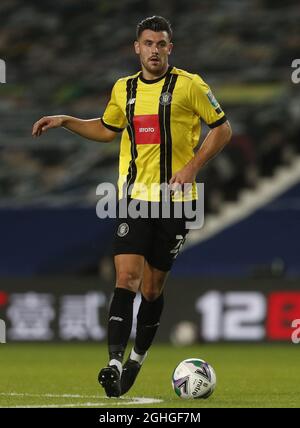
154, 67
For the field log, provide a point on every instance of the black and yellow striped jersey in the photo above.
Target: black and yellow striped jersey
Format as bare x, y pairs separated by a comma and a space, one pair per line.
160, 120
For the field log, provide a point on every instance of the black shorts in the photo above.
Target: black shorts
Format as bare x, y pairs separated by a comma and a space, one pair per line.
159, 240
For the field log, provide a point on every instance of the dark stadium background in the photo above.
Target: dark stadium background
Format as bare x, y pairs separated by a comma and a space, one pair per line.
238, 278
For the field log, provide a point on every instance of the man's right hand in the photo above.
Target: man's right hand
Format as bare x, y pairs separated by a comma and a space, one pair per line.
46, 123
92, 129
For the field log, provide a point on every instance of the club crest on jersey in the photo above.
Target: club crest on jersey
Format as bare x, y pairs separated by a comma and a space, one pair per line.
123, 229
165, 98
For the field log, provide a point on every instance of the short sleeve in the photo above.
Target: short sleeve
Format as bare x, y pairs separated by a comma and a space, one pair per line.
114, 117
204, 104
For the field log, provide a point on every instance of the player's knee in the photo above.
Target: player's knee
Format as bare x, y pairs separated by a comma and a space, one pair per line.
130, 280
151, 294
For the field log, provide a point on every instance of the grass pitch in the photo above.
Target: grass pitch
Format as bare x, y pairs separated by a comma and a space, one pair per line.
48, 375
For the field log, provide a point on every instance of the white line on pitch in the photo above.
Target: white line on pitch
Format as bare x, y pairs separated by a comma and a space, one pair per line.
70, 405
26, 394
124, 400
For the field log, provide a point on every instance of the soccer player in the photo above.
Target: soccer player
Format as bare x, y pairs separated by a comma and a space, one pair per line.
158, 111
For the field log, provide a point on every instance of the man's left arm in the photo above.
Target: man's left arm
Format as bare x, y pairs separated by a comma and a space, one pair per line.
214, 142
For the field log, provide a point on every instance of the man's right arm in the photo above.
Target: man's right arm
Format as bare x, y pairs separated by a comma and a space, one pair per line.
92, 129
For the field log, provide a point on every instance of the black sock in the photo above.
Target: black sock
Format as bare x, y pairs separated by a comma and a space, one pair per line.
120, 322
147, 323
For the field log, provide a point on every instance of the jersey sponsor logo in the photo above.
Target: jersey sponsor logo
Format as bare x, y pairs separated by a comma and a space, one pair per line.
147, 130
123, 229
212, 99
165, 98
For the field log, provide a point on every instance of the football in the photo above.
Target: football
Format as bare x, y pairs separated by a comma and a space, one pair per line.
194, 378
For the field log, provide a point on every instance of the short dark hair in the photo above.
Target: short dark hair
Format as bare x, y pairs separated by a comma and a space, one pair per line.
154, 23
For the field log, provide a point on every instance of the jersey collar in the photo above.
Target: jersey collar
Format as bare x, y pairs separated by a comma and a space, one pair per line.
149, 82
